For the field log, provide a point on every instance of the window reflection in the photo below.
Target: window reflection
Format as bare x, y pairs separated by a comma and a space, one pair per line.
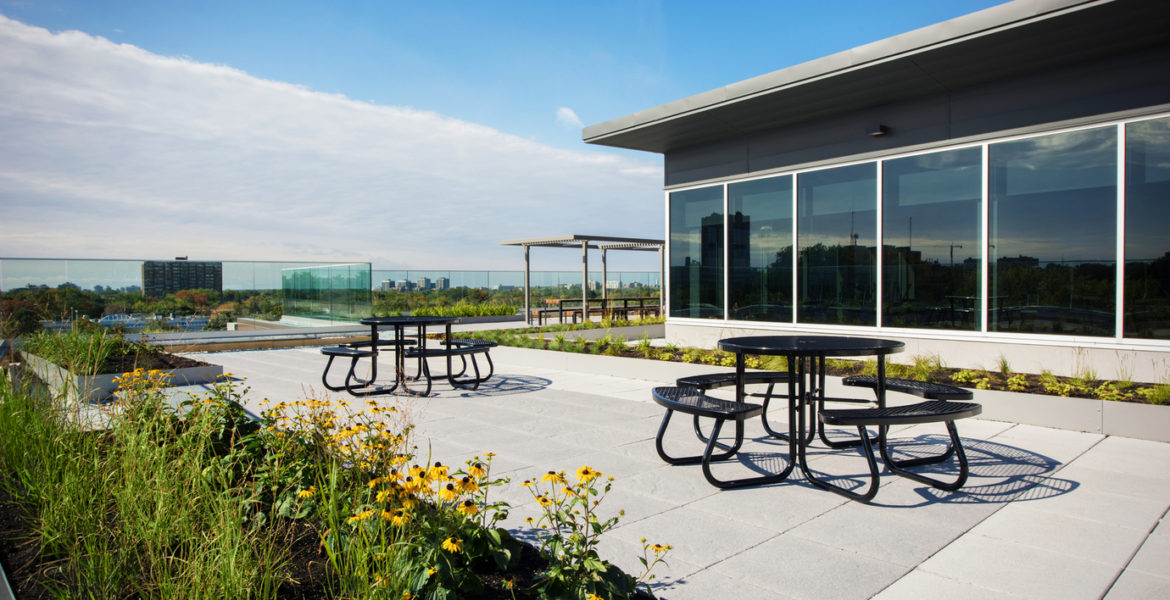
1147, 220
837, 231
1052, 222
696, 253
760, 256
931, 240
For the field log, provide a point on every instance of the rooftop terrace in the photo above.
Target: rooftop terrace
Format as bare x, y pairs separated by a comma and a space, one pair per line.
1045, 513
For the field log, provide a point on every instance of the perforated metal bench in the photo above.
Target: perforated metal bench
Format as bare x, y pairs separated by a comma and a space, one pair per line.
922, 389
691, 401
710, 381
931, 411
463, 348
353, 384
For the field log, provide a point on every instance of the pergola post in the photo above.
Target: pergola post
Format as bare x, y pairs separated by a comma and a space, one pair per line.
584, 281
661, 283
527, 292
604, 279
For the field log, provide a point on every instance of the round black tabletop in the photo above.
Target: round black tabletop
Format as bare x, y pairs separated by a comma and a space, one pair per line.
811, 345
407, 320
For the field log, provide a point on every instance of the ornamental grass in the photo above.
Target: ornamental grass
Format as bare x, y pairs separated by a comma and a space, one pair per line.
207, 501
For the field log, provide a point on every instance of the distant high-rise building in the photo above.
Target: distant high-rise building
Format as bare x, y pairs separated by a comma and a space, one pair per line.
424, 283
162, 277
442, 283
387, 285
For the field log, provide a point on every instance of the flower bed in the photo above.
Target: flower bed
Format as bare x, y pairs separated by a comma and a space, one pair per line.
317, 499
559, 338
85, 366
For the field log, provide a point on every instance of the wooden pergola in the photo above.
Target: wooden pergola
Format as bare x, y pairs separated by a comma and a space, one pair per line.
585, 243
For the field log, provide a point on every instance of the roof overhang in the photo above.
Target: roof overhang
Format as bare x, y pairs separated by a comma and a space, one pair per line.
1004, 41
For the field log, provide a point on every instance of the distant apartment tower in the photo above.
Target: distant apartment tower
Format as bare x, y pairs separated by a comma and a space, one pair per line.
387, 285
442, 283
162, 277
424, 283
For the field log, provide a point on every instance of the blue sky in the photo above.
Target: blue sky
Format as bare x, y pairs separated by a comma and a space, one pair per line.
277, 130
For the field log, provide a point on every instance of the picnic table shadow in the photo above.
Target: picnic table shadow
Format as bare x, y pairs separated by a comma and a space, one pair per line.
999, 473
506, 385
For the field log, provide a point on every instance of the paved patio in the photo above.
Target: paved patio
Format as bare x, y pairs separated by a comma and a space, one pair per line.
1046, 513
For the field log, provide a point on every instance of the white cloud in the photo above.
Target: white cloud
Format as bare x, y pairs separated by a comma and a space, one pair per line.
112, 151
568, 118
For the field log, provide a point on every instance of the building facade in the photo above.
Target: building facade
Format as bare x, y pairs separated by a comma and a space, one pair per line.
992, 188
162, 277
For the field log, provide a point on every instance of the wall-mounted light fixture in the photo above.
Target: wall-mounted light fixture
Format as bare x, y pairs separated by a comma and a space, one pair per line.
876, 130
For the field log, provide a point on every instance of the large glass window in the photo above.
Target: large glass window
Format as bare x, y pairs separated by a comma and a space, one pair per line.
760, 256
837, 231
1147, 221
931, 240
1053, 233
696, 253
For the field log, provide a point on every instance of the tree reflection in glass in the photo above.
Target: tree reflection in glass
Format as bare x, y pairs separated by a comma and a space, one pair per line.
1147, 220
837, 233
760, 255
931, 240
1053, 233
696, 253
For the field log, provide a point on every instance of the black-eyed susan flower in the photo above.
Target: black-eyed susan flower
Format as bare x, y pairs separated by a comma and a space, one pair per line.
305, 494
453, 545
554, 477
544, 500
586, 474
660, 548
362, 516
448, 492
476, 470
527, 483
468, 508
467, 484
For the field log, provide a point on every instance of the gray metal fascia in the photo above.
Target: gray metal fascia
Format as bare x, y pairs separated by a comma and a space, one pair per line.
976, 24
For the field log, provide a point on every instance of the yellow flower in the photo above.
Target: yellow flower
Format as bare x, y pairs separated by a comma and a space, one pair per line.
383, 495
593, 597
527, 483
530, 521
585, 474
448, 492
431, 571
453, 545
362, 516
661, 548
467, 507
544, 500
490, 454
407, 596
477, 471
468, 484
374, 482
400, 517
307, 493
554, 477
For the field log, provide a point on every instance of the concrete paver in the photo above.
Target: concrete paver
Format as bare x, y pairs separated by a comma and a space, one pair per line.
1045, 512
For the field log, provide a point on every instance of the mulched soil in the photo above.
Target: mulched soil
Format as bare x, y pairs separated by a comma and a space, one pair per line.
124, 363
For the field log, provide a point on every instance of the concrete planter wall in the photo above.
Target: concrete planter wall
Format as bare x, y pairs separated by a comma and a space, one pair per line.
95, 388
1125, 419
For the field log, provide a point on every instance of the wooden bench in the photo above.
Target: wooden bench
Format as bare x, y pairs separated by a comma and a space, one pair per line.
930, 411
690, 400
